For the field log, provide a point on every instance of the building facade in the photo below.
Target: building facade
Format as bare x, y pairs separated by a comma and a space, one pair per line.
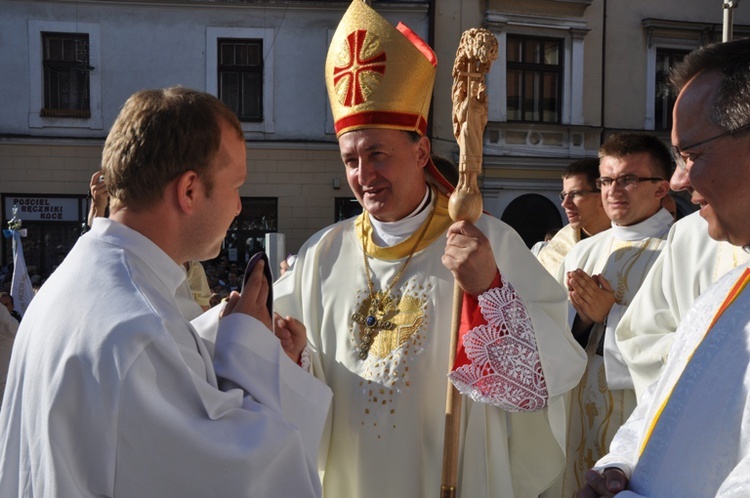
570, 72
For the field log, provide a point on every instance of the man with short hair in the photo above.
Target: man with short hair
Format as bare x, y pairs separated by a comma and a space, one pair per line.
111, 392
375, 294
583, 206
602, 274
688, 435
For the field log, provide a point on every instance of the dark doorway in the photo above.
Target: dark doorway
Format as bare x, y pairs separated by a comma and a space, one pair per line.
532, 216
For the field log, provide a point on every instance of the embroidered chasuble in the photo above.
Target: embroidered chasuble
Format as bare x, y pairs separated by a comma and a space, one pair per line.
688, 437
604, 399
552, 255
690, 262
386, 426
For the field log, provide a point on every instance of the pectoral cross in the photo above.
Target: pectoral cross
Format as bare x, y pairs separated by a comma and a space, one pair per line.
380, 310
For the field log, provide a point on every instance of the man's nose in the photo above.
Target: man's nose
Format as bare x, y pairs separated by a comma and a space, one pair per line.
365, 172
680, 180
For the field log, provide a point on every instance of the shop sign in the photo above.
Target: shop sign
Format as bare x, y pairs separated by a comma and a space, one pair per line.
42, 208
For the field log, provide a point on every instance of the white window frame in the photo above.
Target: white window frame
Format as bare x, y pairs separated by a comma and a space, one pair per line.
36, 81
649, 122
212, 82
676, 35
570, 31
665, 35
330, 128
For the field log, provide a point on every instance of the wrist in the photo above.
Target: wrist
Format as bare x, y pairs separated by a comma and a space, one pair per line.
491, 284
583, 322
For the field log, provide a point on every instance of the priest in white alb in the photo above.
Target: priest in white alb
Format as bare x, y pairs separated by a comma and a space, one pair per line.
111, 392
602, 274
375, 293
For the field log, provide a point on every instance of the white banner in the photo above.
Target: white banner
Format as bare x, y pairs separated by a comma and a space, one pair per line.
21, 285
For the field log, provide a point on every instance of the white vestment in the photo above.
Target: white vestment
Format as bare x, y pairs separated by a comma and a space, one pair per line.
8, 329
605, 398
698, 445
689, 263
388, 416
538, 247
112, 393
552, 255
198, 282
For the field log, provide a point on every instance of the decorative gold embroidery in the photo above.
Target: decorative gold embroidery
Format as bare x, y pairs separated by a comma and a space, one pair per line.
405, 324
624, 249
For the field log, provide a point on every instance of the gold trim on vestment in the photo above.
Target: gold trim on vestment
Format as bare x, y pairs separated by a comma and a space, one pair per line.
440, 223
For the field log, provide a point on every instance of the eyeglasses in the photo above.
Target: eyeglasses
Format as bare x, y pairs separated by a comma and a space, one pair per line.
574, 194
681, 161
626, 181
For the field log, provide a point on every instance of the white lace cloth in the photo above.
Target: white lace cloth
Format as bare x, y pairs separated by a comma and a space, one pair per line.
505, 368
305, 360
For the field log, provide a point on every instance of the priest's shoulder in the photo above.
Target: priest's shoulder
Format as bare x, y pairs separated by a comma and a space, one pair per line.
585, 246
488, 222
689, 226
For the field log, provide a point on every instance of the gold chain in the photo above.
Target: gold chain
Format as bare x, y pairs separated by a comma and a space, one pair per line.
381, 307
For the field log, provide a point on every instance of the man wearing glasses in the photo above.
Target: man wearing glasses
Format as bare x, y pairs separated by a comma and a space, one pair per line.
602, 274
688, 436
583, 206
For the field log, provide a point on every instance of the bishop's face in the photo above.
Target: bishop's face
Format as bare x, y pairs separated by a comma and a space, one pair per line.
385, 170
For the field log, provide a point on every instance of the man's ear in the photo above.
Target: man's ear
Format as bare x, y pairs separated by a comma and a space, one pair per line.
663, 189
186, 188
424, 149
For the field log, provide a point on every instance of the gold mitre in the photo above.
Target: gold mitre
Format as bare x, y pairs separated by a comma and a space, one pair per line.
378, 75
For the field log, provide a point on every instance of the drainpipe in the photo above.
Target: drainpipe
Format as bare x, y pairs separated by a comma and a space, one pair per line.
431, 42
604, 70
729, 6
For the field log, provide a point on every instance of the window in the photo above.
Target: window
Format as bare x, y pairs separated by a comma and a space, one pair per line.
665, 96
534, 79
240, 76
66, 75
667, 42
346, 207
239, 70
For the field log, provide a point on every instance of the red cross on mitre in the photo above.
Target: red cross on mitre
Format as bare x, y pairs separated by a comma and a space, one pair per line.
350, 74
